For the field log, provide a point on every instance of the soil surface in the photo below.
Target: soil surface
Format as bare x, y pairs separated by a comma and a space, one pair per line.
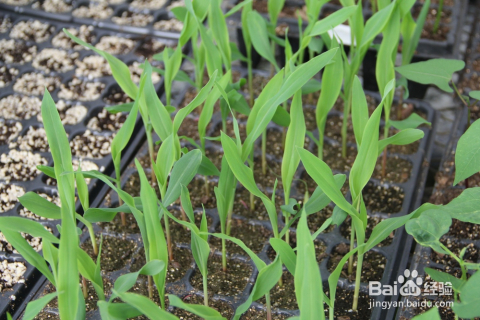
111, 247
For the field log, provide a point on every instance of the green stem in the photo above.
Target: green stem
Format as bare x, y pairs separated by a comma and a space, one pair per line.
346, 113
264, 152
150, 287
224, 256
84, 288
460, 261
374, 5
92, 237
352, 245
438, 17
252, 202
358, 277
250, 76
205, 291
206, 186
384, 157
269, 306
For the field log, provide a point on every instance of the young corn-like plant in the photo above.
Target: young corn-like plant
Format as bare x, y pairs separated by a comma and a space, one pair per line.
68, 260
367, 136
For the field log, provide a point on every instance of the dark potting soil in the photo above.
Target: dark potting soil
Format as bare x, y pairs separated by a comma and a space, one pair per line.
346, 229
275, 143
111, 247
223, 307
471, 255
242, 128
332, 155
180, 233
311, 185
259, 82
315, 220
320, 248
90, 301
383, 199
107, 121
464, 230
198, 196
116, 96
242, 206
189, 128
176, 268
230, 283
343, 306
444, 196
287, 11
283, 297
372, 268
273, 172
398, 170
253, 235
259, 314
116, 224
149, 48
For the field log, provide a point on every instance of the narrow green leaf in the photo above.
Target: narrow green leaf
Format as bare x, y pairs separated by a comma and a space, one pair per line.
401, 138
412, 122
197, 309
146, 306
40, 206
34, 307
333, 20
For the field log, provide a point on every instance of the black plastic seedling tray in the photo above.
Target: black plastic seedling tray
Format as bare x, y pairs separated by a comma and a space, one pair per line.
394, 253
14, 299
421, 257
158, 14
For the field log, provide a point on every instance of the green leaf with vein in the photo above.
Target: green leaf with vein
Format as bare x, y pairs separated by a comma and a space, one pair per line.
145, 305
331, 21
204, 312
429, 227
401, 138
466, 207
467, 156
435, 71
469, 306
412, 122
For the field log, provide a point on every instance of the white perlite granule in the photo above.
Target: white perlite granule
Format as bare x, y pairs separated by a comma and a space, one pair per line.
5, 24
136, 73
32, 30
169, 25
7, 75
97, 11
24, 212
16, 2
14, 51
174, 4
77, 89
92, 67
86, 166
69, 114
115, 45
54, 60
34, 242
9, 194
20, 165
148, 4
11, 273
129, 18
105, 120
19, 107
55, 6
85, 33
92, 146
35, 83
9, 131
34, 140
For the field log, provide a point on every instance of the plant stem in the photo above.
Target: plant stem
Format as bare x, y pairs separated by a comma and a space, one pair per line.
92, 237
205, 291
150, 287
250, 78
269, 306
357, 281
252, 202
438, 17
346, 113
352, 245
224, 256
374, 5
206, 187
169, 240
400, 104
264, 152
84, 288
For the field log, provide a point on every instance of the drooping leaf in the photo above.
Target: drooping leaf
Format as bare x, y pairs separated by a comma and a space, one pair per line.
469, 306
429, 227
412, 122
466, 207
197, 309
435, 71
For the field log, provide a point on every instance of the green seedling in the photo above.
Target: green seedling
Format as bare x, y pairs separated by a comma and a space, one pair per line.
429, 227
438, 17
